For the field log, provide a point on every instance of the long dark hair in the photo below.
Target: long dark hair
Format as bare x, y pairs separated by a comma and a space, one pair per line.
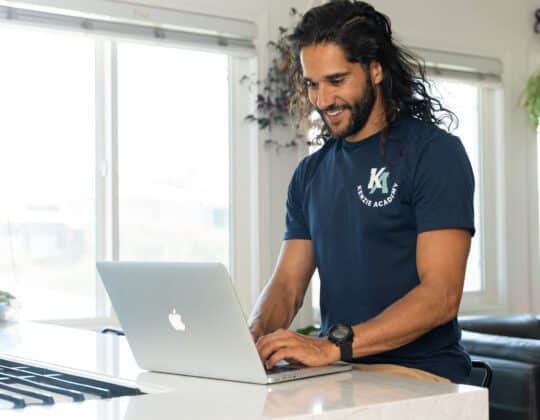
365, 35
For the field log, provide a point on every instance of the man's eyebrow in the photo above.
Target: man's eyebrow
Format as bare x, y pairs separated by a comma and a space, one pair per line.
331, 76
337, 75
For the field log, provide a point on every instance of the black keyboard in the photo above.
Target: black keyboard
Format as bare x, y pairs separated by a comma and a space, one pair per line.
284, 368
22, 384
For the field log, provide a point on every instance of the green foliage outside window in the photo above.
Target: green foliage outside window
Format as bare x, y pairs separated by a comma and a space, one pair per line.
531, 99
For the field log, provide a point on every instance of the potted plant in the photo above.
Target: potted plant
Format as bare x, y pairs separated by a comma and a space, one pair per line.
6, 299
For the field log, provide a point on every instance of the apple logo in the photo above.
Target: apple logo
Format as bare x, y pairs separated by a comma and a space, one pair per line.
176, 321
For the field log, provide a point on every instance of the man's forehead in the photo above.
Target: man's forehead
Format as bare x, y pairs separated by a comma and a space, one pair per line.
324, 60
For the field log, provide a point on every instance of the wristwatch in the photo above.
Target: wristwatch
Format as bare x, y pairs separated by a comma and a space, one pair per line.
342, 336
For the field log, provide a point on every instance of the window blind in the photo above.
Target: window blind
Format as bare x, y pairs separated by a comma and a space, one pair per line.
137, 22
455, 66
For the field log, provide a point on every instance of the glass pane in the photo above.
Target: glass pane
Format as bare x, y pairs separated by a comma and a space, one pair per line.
47, 172
173, 154
462, 99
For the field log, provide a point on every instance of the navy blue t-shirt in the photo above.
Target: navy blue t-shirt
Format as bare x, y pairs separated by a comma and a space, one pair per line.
363, 213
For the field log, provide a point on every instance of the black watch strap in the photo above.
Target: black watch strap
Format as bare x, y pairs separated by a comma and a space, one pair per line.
342, 336
346, 351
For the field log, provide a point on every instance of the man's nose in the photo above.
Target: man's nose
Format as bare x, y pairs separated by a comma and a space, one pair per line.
325, 97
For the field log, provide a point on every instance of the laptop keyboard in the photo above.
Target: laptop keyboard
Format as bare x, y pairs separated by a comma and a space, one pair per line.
284, 368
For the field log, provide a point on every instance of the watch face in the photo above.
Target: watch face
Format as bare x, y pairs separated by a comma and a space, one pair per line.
340, 333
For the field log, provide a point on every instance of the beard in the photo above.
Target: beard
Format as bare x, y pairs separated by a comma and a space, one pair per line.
360, 112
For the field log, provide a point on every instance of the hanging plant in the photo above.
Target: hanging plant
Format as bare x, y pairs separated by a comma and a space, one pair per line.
531, 99
272, 103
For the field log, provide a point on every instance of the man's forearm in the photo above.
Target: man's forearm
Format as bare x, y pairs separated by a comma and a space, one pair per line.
275, 308
416, 313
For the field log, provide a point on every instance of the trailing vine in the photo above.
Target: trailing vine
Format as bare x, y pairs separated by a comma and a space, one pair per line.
274, 92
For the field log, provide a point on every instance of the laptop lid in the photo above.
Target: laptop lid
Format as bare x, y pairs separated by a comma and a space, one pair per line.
183, 318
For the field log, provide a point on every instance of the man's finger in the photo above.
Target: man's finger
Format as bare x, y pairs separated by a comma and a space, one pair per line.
269, 338
271, 346
284, 353
266, 337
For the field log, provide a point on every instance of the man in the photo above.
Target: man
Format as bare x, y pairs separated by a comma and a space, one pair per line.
384, 210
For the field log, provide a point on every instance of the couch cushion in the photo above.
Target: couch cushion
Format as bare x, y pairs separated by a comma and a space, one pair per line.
517, 325
523, 350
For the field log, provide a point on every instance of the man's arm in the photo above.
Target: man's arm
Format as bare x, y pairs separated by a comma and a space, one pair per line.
283, 295
441, 257
441, 260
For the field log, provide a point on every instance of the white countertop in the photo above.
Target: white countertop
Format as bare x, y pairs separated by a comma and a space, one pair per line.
338, 396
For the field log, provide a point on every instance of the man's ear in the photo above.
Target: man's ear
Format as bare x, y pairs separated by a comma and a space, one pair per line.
376, 72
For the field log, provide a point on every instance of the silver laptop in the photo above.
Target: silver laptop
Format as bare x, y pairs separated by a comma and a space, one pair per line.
185, 318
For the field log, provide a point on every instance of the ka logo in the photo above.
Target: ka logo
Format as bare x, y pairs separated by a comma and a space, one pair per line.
378, 179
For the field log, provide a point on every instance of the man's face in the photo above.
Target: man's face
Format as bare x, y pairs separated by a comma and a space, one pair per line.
341, 91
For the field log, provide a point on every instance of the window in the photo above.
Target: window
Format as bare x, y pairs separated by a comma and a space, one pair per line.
463, 99
47, 172
113, 148
477, 100
173, 154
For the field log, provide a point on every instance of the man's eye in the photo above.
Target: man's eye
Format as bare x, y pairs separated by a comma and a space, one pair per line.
336, 82
309, 84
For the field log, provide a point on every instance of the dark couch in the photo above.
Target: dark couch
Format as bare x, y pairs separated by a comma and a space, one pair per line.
511, 346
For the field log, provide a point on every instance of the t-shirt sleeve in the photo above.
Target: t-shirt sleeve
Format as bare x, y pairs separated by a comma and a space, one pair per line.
443, 186
296, 226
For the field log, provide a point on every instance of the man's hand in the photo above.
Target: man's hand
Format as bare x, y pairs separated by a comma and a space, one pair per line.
288, 345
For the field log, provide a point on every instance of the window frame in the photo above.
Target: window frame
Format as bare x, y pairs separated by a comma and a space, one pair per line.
486, 74
243, 190
490, 185
107, 198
